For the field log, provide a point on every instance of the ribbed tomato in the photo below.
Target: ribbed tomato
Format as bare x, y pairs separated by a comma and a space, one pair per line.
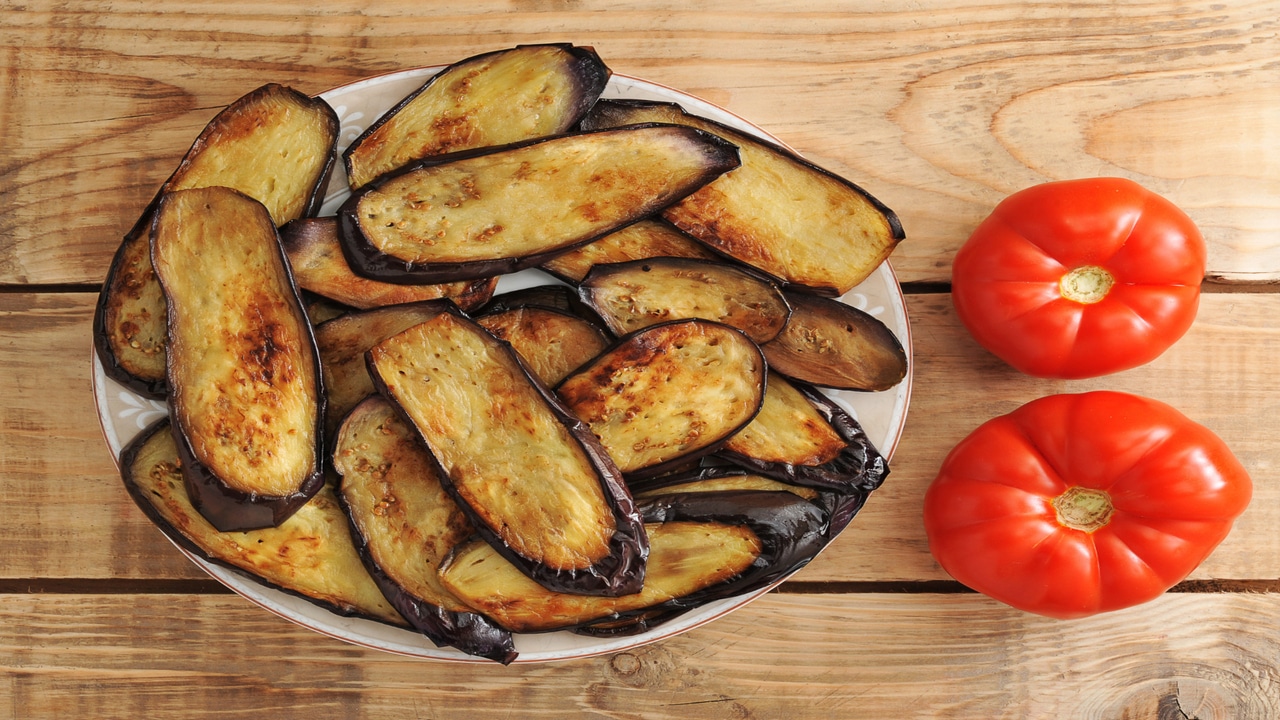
1080, 278
1078, 504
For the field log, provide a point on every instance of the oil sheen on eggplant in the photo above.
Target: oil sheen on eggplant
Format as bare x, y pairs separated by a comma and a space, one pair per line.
780, 213
405, 524
499, 210
319, 266
668, 393
645, 239
636, 294
310, 555
274, 144
831, 344
705, 546
533, 479
244, 376
804, 437
343, 342
491, 99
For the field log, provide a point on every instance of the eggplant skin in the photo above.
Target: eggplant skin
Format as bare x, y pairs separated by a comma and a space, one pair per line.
811, 229
311, 555
405, 524
534, 481
241, 148
489, 99
668, 393
830, 344
647, 238
857, 468
635, 294
319, 266
246, 390
498, 210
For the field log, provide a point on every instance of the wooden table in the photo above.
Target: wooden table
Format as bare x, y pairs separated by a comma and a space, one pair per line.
939, 108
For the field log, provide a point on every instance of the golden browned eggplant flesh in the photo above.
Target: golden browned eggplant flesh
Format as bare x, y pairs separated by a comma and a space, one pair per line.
491, 99
480, 501
532, 478
275, 145
243, 371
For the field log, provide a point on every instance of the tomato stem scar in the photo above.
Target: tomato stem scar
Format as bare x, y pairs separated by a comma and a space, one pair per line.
1083, 509
1086, 284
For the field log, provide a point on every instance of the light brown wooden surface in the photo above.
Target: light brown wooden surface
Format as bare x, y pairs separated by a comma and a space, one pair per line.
938, 108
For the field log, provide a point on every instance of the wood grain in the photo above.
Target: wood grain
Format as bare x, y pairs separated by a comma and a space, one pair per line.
68, 517
938, 108
847, 656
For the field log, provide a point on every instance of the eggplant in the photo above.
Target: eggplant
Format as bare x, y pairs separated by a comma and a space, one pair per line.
490, 99
669, 393
310, 555
803, 437
645, 239
534, 481
715, 478
809, 228
343, 342
551, 343
276, 145
552, 297
405, 525
242, 366
498, 210
320, 267
636, 294
830, 344
704, 547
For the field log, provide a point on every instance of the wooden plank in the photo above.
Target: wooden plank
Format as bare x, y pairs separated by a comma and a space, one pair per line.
849, 656
939, 108
68, 517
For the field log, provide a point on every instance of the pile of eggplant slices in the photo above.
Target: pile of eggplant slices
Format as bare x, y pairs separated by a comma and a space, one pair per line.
356, 418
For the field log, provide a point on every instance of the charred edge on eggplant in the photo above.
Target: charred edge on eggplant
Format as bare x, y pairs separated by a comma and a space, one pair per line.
365, 258
552, 297
320, 267
229, 508
457, 132
705, 223
631, 351
858, 468
629, 295
791, 529
621, 570
469, 632
352, 607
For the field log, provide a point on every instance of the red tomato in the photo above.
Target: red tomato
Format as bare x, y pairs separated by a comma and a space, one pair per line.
1080, 278
1078, 504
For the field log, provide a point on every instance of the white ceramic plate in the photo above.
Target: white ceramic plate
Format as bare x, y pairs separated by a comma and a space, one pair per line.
124, 414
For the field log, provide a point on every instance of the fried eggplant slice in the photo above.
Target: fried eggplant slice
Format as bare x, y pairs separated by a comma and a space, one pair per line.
552, 343
803, 437
534, 481
636, 294
705, 546
684, 557
343, 342
320, 267
405, 525
498, 210
810, 228
275, 145
644, 239
669, 393
491, 99
715, 479
243, 371
831, 344
310, 555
